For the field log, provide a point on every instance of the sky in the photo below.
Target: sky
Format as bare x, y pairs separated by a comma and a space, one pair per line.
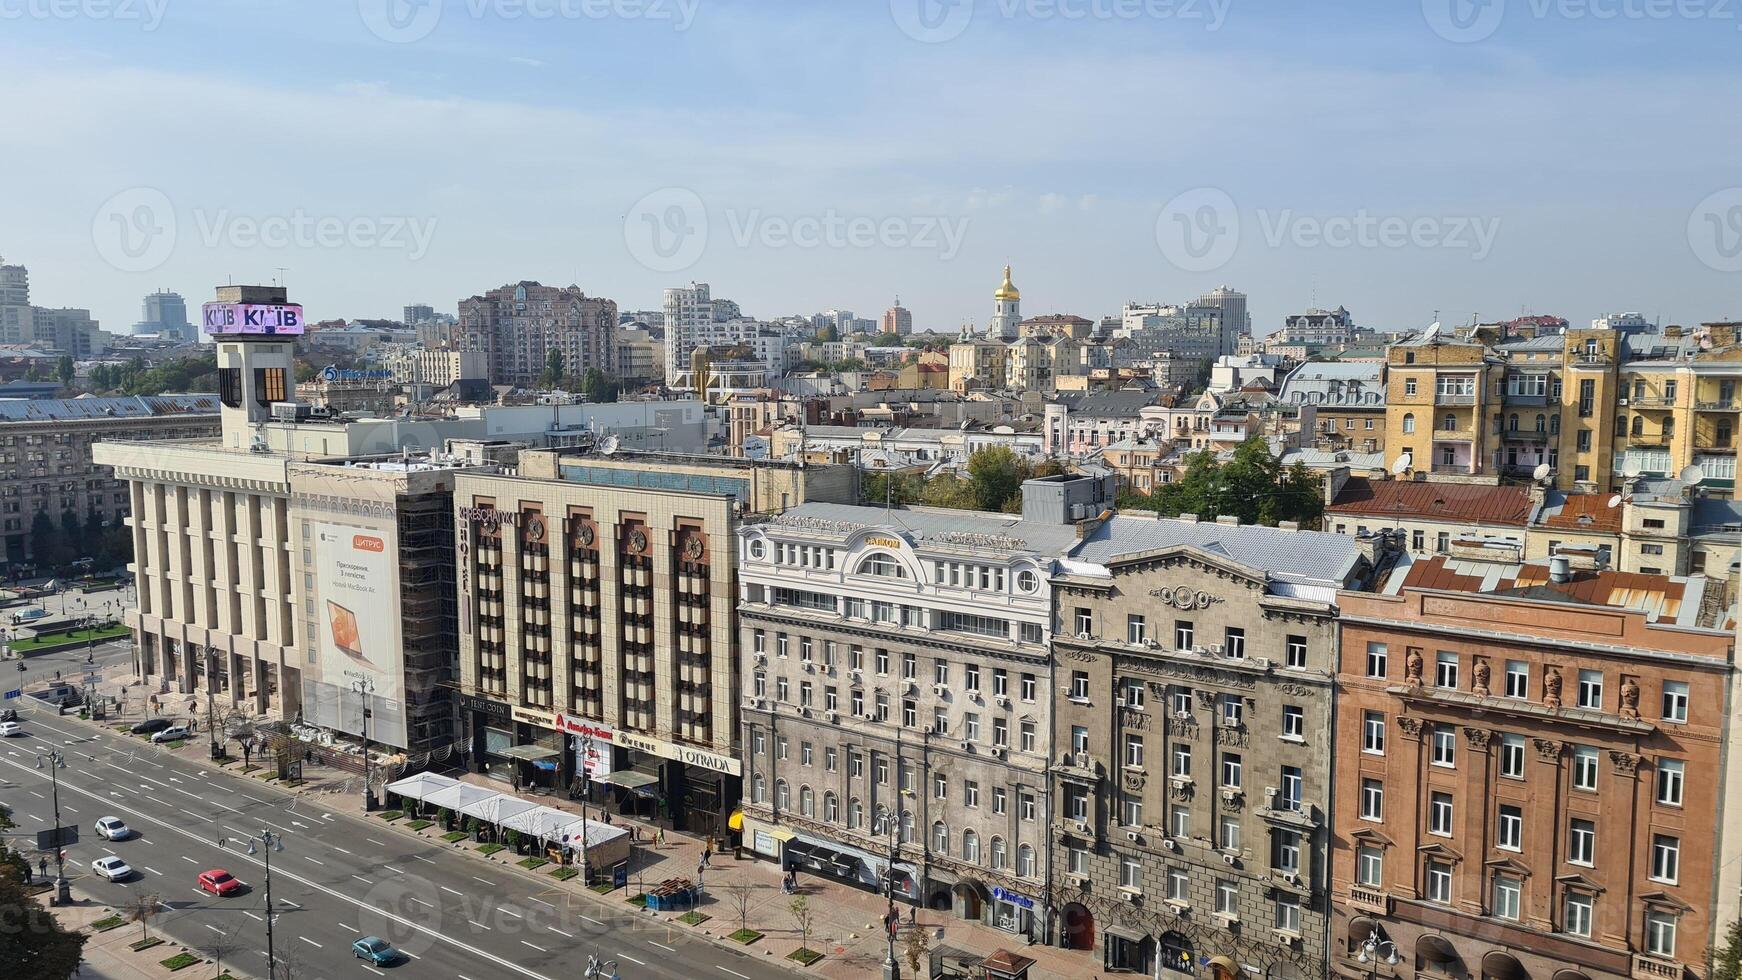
1402, 158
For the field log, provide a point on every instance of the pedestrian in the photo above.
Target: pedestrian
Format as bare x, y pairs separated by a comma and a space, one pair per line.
662, 837
42, 867
912, 912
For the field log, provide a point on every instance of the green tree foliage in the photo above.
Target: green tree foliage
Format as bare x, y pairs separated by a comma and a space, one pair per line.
996, 475
134, 378
1726, 960
33, 944
94, 542
1251, 486
47, 545
553, 369
64, 369
993, 483
598, 386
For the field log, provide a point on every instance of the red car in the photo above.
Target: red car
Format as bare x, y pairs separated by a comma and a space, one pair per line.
219, 882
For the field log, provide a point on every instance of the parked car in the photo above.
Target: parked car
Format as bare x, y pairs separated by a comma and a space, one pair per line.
173, 733
150, 725
10, 728
219, 882
112, 868
375, 949
111, 828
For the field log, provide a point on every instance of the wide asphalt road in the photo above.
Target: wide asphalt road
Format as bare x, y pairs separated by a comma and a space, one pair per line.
338, 878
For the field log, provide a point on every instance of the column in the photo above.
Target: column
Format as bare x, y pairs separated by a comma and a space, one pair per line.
1623, 842
1404, 787
1477, 822
1545, 825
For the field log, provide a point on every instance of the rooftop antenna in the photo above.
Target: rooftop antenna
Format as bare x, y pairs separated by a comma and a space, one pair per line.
280, 280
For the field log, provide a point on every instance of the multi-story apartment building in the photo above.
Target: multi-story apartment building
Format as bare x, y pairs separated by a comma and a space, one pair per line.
521, 324
1348, 400
1085, 421
639, 354
46, 450
16, 318
1680, 405
1533, 762
1192, 743
1034, 363
1319, 328
1232, 303
1439, 394
977, 359
898, 319
897, 694
411, 364
694, 318
596, 642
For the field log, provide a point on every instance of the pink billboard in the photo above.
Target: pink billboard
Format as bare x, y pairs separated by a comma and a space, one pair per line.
252, 318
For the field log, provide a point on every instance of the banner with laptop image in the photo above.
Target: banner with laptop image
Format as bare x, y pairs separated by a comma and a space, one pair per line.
357, 621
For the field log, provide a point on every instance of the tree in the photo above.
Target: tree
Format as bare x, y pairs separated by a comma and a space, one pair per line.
996, 475
598, 386
742, 895
72, 533
47, 546
64, 369
142, 909
802, 916
95, 539
1250, 486
1725, 962
219, 946
33, 943
916, 944
553, 369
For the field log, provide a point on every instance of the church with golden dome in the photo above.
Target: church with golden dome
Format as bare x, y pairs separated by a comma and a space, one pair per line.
1007, 311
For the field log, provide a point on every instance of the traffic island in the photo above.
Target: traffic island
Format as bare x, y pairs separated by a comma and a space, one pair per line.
179, 961
804, 956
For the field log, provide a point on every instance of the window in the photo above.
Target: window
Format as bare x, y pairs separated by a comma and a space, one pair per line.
806, 753
883, 663
1130, 873
970, 793
1026, 806
1576, 914
1439, 815
940, 838
1179, 885
1000, 800
970, 846
1373, 732
1077, 861
1233, 710
1136, 629
1372, 800
940, 721
1591, 689
1228, 899
882, 565
1445, 745
1670, 773
1131, 812
1293, 722
1183, 634
909, 713
1000, 682
1029, 687
1286, 856
1133, 698
1439, 882
782, 796
940, 786
1231, 770
1287, 914
1446, 669
940, 671
1079, 685
1028, 735
1085, 622
1512, 756
1585, 768
1134, 752
1582, 842
1077, 803
1666, 858
1295, 652
1409, 417
1517, 679
830, 759
1234, 643
1377, 658
1182, 701
1507, 890
1000, 729
1369, 866
1509, 832
1079, 739
1660, 933
1290, 797
1228, 834
1675, 702
970, 677
1182, 761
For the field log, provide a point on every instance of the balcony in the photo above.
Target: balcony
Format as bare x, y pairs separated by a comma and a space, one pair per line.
1454, 398
1523, 435
1652, 968
1453, 469
1537, 401
1722, 405
1370, 899
1652, 401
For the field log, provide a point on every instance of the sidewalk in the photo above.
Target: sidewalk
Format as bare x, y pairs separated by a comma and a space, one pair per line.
107, 955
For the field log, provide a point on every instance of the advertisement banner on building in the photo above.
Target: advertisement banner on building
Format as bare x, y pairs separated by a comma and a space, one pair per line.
357, 657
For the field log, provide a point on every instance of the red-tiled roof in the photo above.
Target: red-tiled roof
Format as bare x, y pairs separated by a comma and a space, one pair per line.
1586, 512
1435, 501
1638, 591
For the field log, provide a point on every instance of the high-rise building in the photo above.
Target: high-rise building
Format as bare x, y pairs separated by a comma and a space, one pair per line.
417, 313
1006, 319
898, 319
1232, 303
521, 324
1319, 328
70, 331
16, 318
166, 315
693, 320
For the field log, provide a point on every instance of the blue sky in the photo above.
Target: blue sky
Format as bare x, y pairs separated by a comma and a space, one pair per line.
1569, 156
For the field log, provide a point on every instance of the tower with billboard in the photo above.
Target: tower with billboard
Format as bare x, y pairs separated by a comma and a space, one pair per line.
256, 329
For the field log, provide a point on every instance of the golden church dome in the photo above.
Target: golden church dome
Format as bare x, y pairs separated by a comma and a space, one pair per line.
1007, 289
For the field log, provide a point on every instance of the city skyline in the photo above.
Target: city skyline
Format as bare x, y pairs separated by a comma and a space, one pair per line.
1413, 121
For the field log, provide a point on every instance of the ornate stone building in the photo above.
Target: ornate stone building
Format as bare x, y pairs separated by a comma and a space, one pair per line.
1192, 743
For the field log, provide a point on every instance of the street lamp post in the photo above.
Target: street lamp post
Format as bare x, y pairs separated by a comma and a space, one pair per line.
211, 711
889, 825
56, 762
365, 688
269, 842
1383, 950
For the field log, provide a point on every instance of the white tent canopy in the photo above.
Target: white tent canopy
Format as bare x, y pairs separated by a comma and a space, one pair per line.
497, 808
459, 796
420, 786
542, 823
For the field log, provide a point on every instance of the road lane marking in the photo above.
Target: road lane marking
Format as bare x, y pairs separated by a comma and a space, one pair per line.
251, 915
633, 959
214, 928
540, 901
361, 879
559, 932
69, 809
339, 849
38, 795
509, 911
419, 901
423, 859
662, 946
539, 948
389, 867
189, 860
450, 891
159, 802
482, 880
305, 857
733, 972
155, 872
479, 924
373, 970
590, 919
310, 942
374, 841
286, 901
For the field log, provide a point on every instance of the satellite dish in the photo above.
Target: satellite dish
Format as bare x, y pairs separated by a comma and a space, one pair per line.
1692, 475
1615, 501
608, 445
1542, 472
1401, 464
1632, 470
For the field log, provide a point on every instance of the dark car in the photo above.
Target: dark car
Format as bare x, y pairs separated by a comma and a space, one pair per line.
150, 726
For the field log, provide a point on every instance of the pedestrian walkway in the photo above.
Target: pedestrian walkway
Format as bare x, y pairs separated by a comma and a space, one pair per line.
107, 955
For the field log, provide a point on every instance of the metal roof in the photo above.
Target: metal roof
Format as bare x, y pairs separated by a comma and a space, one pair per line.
131, 406
934, 523
1422, 500
1298, 557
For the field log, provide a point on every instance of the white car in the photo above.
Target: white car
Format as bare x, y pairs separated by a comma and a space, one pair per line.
10, 728
111, 828
112, 868
175, 733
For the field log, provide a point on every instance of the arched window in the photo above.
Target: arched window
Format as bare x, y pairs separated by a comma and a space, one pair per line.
970, 846
855, 814
1668, 428
940, 838
1409, 422
1542, 423
831, 808
1025, 860
907, 827
881, 564
1554, 424
1638, 426
807, 803
782, 798
758, 789
1512, 422
998, 856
